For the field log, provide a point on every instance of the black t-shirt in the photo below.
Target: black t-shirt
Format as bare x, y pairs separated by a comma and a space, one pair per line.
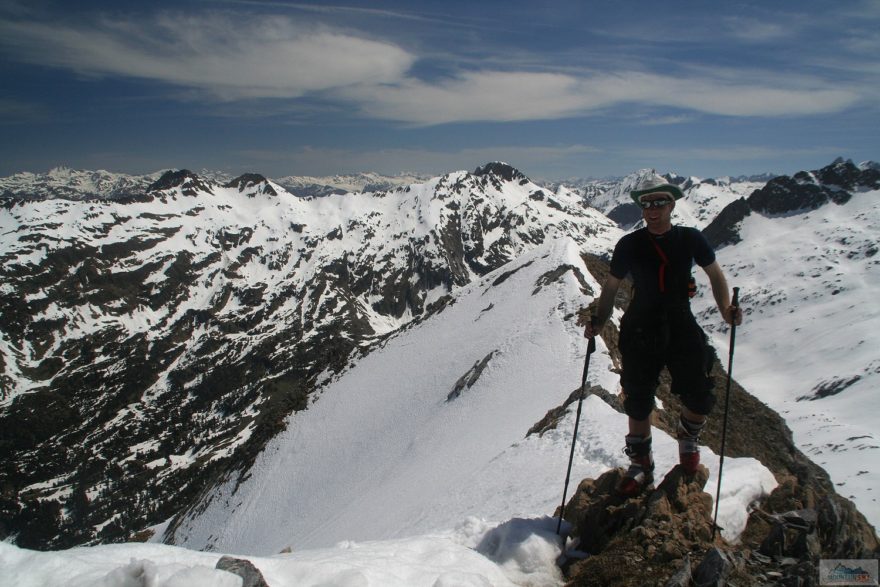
660, 265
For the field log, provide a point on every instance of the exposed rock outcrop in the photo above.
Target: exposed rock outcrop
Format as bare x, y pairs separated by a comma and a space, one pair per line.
501, 170
189, 183
665, 536
251, 180
250, 575
788, 195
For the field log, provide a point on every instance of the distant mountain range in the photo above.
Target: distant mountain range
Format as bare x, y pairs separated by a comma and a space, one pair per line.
63, 182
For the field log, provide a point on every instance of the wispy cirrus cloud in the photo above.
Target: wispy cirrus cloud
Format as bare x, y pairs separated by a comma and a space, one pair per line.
517, 96
756, 30
222, 57
216, 54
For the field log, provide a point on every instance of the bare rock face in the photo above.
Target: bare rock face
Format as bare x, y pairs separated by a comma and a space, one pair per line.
797, 194
637, 540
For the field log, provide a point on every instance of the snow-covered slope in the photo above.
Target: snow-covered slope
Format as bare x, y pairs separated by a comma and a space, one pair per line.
431, 428
705, 199
809, 274
523, 553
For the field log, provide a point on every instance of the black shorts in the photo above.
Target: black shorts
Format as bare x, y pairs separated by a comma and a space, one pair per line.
676, 341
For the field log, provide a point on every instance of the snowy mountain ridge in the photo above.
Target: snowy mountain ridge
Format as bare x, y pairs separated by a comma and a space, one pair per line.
63, 182
350, 183
171, 333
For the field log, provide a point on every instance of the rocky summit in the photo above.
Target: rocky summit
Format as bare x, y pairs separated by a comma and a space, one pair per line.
665, 536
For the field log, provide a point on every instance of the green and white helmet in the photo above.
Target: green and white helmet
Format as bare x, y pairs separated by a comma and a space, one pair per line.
654, 184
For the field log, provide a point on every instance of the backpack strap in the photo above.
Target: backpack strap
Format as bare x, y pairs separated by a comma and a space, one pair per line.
664, 261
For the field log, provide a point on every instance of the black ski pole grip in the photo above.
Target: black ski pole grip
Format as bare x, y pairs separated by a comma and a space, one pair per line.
591, 345
735, 297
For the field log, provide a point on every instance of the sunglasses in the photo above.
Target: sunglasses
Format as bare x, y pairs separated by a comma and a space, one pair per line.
647, 204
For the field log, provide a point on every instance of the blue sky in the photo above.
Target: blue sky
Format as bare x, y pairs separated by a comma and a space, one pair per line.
558, 89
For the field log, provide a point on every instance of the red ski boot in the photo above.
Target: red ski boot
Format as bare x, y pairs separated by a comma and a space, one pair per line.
640, 473
688, 447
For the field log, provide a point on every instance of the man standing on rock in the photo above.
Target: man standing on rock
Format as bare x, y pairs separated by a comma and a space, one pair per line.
658, 328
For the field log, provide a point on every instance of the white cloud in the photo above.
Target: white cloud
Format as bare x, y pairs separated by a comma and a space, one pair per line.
510, 96
472, 96
770, 97
667, 120
227, 58
755, 30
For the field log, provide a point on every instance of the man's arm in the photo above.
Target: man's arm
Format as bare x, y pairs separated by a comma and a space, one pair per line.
605, 306
721, 293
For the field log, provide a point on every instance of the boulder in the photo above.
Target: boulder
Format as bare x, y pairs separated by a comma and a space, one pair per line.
251, 575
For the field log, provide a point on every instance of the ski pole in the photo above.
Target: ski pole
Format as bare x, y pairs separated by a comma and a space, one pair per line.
591, 346
735, 304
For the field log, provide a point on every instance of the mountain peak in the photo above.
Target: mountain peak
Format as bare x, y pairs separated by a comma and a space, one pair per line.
189, 182
252, 180
847, 175
246, 179
60, 171
502, 170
